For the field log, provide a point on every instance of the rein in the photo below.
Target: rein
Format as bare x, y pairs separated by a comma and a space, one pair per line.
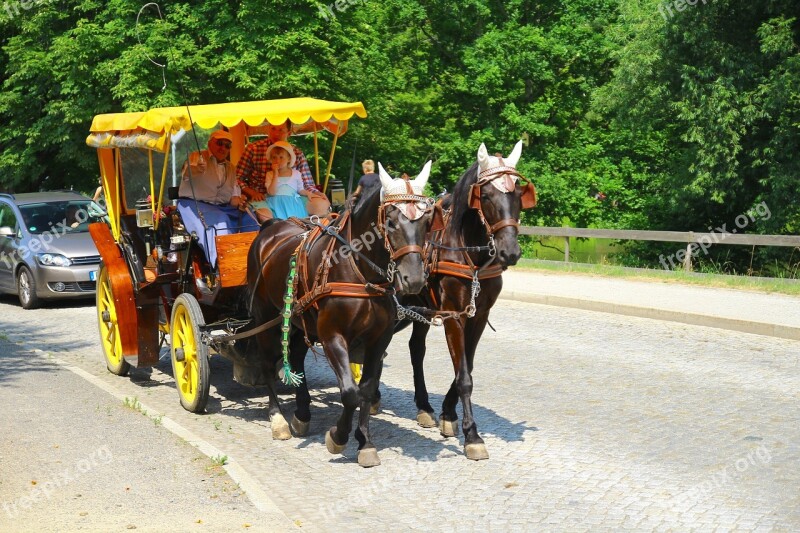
333, 231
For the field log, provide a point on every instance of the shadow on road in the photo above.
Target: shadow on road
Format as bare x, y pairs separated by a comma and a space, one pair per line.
249, 404
15, 360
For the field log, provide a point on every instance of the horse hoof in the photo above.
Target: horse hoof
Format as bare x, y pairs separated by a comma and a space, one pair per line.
476, 452
368, 457
425, 419
280, 429
448, 428
333, 448
375, 408
299, 427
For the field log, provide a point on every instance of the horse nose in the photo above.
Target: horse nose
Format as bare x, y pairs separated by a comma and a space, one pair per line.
510, 258
412, 284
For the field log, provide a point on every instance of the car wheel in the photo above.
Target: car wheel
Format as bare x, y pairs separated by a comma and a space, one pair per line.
26, 289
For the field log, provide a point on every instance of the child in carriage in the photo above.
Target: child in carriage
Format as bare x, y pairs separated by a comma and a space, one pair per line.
284, 186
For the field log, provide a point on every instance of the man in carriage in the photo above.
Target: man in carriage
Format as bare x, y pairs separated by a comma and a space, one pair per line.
210, 201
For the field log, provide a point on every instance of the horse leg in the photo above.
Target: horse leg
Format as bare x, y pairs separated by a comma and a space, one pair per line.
454, 333
301, 420
416, 347
375, 406
278, 424
448, 420
336, 351
368, 387
474, 446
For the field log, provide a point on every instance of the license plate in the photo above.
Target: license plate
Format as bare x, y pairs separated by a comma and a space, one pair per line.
93, 275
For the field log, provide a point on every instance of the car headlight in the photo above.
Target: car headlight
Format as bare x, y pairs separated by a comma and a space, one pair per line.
53, 260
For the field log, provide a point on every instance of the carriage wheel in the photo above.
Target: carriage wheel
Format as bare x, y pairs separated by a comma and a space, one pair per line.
356, 369
189, 355
107, 322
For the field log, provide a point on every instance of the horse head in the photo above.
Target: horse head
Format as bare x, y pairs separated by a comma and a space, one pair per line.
405, 219
499, 194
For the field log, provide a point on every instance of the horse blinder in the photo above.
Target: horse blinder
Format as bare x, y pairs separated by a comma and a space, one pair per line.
528, 196
475, 196
437, 222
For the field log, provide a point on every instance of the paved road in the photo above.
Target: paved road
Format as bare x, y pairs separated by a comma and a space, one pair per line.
73, 457
592, 421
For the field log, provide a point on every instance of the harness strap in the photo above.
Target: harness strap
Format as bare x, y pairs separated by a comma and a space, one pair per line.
342, 289
250, 332
504, 223
459, 270
410, 249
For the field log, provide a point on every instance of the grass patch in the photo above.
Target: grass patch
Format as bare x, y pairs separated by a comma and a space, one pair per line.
757, 284
219, 460
132, 403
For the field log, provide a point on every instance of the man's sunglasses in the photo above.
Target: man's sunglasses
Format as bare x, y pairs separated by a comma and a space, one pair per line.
224, 144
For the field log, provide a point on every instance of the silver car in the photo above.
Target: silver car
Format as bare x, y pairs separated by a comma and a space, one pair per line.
46, 251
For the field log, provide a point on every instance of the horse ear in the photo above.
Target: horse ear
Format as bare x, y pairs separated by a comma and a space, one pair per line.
386, 179
483, 157
418, 184
513, 158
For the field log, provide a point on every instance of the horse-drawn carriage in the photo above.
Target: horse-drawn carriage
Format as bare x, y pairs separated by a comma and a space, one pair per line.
337, 282
146, 284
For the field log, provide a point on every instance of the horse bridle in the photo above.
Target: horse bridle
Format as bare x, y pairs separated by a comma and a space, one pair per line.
391, 200
489, 175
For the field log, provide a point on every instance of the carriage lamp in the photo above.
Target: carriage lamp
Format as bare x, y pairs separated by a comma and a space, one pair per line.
57, 260
144, 218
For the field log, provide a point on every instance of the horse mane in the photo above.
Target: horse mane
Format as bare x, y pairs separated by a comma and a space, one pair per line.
368, 200
459, 200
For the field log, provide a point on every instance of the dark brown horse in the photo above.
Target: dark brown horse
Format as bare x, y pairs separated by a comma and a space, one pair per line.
466, 262
343, 296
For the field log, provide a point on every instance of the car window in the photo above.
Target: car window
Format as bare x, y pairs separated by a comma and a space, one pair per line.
62, 216
7, 216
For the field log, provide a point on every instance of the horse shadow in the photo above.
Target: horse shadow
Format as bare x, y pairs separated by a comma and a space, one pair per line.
394, 427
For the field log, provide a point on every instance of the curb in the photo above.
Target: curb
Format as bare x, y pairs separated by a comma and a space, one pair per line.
734, 324
252, 489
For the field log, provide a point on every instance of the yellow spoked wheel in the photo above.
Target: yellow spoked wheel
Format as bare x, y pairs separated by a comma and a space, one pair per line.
107, 322
189, 355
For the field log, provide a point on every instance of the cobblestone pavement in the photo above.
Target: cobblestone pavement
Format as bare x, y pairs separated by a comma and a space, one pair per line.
592, 421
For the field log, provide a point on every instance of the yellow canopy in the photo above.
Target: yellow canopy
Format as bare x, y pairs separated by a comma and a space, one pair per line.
172, 119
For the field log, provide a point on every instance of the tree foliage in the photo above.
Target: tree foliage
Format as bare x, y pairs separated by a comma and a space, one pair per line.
633, 115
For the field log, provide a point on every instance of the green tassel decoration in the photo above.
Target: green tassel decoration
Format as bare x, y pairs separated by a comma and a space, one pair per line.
289, 377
